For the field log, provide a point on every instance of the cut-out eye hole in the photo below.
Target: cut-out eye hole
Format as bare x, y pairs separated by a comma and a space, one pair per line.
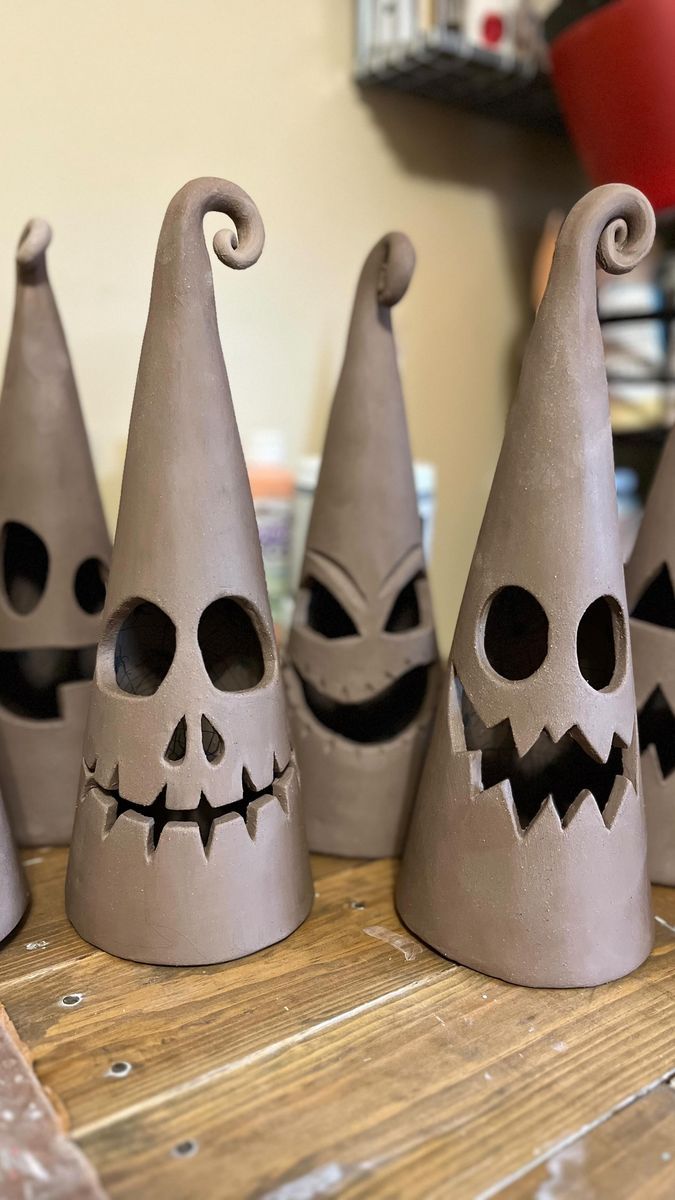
90, 585
325, 614
516, 633
405, 613
212, 743
597, 641
230, 646
175, 751
657, 603
25, 563
144, 649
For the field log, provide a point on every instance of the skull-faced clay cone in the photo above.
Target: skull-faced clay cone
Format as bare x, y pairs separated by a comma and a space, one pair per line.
55, 556
362, 673
188, 845
526, 857
649, 585
13, 891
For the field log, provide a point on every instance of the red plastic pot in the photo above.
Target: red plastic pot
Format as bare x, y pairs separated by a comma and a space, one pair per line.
614, 72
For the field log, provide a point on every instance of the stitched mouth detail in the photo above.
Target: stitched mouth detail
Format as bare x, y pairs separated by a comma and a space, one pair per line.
656, 727
204, 815
561, 769
30, 679
380, 719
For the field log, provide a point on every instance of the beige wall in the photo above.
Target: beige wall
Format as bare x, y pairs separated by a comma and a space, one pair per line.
110, 107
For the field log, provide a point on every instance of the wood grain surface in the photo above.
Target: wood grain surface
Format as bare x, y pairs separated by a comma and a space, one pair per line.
349, 1060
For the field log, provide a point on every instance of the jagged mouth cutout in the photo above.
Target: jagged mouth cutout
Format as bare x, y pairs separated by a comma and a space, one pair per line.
384, 716
30, 679
656, 723
203, 816
515, 641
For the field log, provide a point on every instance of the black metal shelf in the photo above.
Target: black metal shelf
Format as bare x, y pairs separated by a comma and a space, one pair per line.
443, 66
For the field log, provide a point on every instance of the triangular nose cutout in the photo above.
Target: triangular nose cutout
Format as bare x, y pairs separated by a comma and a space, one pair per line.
212, 743
175, 751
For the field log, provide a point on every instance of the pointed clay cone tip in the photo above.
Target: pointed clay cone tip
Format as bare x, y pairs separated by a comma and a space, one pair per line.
551, 514
47, 485
239, 248
396, 267
181, 358
366, 470
616, 217
32, 245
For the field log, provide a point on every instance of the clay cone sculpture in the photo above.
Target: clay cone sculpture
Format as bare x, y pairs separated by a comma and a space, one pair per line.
526, 857
13, 890
362, 673
55, 557
651, 602
188, 844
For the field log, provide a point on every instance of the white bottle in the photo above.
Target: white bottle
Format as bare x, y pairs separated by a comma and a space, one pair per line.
272, 488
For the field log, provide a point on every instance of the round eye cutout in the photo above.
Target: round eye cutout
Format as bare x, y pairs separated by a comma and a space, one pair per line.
230, 646
515, 637
601, 643
145, 645
25, 566
90, 585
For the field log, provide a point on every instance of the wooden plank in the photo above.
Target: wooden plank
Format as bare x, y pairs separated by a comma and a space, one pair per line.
173, 1025
458, 1081
442, 1091
44, 939
631, 1156
349, 1058
324, 865
36, 1157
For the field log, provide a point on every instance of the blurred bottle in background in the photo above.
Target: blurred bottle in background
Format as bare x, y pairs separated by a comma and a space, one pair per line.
273, 486
629, 506
635, 340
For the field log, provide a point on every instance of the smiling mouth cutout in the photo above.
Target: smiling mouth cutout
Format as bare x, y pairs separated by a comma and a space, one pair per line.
205, 815
562, 770
30, 679
380, 719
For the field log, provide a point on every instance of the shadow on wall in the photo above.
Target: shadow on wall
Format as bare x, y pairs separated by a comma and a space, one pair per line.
529, 172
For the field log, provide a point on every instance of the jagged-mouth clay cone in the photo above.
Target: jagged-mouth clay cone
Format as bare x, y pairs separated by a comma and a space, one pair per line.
362, 672
55, 558
526, 857
651, 602
13, 890
188, 845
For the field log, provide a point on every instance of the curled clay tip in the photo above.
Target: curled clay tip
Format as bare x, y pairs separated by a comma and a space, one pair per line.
34, 240
627, 238
396, 268
240, 247
619, 219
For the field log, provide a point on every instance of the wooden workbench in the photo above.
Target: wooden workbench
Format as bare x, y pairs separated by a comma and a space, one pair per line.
349, 1060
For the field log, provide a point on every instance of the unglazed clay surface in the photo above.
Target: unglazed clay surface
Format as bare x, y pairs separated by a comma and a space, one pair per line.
651, 601
13, 890
526, 856
362, 674
55, 558
188, 844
